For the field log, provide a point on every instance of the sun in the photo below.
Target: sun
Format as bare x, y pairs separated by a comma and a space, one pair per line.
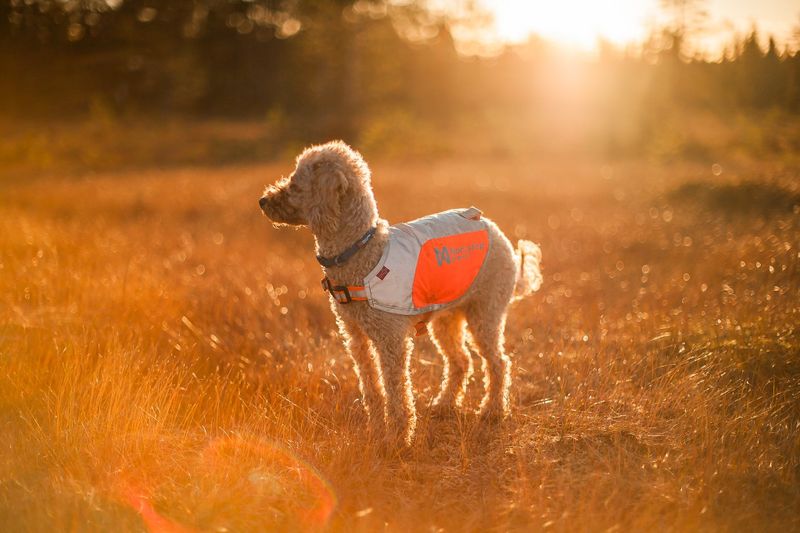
572, 23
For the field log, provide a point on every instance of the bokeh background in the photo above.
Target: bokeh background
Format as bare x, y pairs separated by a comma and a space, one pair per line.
90, 84
169, 363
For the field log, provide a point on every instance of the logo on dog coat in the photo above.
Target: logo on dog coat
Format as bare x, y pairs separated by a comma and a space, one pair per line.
442, 256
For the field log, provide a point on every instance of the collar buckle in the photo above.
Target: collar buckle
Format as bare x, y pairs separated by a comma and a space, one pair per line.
340, 293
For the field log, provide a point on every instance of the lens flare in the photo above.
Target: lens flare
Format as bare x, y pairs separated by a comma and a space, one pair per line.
279, 474
139, 500
283, 466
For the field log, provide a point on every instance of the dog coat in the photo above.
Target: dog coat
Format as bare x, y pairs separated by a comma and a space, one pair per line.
429, 263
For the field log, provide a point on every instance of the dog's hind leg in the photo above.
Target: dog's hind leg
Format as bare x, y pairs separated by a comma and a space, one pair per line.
486, 325
447, 333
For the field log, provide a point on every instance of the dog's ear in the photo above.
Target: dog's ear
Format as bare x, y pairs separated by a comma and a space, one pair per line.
330, 186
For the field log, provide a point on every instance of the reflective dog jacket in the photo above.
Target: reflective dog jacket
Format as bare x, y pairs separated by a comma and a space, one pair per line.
429, 263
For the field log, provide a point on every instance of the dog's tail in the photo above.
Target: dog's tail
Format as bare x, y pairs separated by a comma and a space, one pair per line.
529, 271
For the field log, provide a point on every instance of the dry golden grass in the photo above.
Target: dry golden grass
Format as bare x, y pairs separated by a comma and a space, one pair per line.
168, 362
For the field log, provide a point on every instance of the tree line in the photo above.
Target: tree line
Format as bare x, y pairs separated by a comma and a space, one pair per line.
324, 68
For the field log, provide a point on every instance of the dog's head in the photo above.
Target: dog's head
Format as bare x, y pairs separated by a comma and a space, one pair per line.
315, 194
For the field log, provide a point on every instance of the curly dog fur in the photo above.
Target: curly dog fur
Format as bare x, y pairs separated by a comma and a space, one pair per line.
330, 192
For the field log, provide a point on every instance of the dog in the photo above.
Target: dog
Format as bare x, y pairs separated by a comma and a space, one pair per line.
379, 295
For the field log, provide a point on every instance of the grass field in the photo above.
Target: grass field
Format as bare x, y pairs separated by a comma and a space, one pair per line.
168, 361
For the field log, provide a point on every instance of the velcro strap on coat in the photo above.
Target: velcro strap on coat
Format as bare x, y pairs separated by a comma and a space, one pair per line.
357, 294
345, 294
422, 326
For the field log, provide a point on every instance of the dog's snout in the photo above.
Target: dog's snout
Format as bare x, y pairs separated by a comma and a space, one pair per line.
276, 205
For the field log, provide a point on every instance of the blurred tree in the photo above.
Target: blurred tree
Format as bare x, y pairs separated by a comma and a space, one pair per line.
792, 61
686, 18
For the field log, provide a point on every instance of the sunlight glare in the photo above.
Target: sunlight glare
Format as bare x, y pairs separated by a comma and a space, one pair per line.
572, 23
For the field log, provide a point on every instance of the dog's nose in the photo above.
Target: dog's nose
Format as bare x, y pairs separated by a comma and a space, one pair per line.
262, 202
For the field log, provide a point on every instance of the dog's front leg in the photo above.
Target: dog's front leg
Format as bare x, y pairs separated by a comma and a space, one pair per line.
394, 348
359, 349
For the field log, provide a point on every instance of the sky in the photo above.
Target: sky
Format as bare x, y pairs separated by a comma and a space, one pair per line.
579, 23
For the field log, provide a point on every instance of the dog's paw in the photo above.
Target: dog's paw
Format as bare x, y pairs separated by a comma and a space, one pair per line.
443, 410
397, 435
357, 413
492, 415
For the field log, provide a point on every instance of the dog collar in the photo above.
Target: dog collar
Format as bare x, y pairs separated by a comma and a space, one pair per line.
347, 254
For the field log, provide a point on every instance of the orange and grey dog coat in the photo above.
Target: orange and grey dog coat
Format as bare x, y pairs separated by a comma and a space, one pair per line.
428, 263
